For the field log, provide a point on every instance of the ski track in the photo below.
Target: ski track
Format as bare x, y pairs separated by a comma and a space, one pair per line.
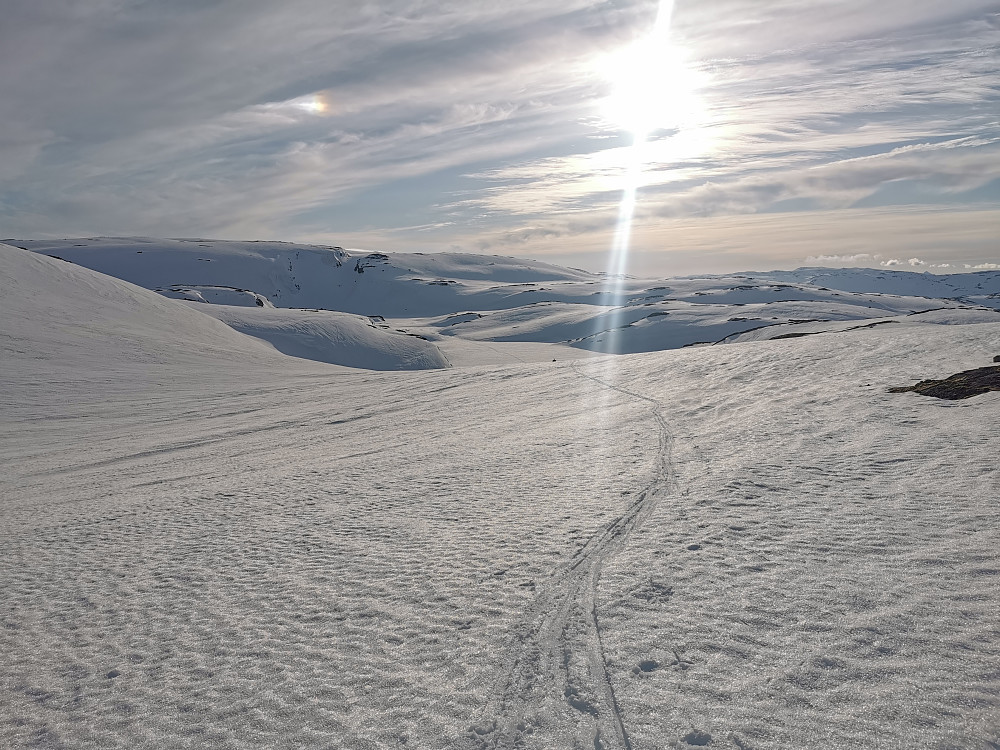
557, 667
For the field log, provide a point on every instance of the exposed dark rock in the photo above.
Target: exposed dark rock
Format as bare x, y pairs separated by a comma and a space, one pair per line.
796, 335
870, 325
960, 385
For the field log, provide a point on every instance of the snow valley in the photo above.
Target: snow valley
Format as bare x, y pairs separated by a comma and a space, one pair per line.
277, 495
329, 304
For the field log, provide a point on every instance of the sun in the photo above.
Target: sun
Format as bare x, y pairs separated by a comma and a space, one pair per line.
653, 86
653, 89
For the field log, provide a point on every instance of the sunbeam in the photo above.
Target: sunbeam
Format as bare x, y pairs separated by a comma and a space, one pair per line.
636, 104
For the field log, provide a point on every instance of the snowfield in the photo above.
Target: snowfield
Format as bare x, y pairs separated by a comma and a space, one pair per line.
493, 299
337, 338
208, 543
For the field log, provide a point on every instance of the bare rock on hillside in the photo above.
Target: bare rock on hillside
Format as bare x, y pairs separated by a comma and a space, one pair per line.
960, 385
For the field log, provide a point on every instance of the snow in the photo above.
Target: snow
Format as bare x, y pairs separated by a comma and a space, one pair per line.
482, 299
957, 285
211, 544
307, 276
68, 315
337, 338
219, 295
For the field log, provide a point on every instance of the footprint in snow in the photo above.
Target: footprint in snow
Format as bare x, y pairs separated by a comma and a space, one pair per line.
646, 666
697, 738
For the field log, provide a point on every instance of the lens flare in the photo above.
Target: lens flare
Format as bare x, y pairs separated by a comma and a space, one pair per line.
639, 103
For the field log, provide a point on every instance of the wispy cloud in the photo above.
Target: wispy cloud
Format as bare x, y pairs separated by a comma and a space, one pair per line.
855, 259
481, 124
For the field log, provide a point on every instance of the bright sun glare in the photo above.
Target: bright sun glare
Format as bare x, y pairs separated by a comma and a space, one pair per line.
653, 87
653, 90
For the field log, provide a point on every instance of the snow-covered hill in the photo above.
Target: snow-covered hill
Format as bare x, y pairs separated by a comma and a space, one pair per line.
308, 276
334, 337
59, 304
980, 287
68, 315
444, 297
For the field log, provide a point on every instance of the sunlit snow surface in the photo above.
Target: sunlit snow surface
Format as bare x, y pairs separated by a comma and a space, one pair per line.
483, 298
209, 544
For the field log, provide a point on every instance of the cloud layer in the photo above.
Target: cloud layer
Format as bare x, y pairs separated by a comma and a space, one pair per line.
452, 124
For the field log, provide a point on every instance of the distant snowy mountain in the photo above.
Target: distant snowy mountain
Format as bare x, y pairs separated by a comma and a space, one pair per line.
980, 287
443, 297
333, 337
309, 276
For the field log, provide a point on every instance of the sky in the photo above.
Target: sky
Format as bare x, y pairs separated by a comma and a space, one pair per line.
751, 134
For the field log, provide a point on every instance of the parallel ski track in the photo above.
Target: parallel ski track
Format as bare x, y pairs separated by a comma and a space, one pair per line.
557, 676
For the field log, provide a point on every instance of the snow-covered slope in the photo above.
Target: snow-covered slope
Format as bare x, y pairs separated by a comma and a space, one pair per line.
67, 315
308, 276
981, 286
744, 546
489, 298
66, 305
941, 316
337, 338
678, 323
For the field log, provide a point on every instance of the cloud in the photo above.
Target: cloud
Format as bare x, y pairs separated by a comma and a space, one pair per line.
481, 123
221, 100
739, 30
732, 243
832, 125
913, 262
701, 186
20, 146
848, 259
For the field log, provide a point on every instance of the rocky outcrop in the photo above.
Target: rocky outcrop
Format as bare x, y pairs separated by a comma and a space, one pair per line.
960, 385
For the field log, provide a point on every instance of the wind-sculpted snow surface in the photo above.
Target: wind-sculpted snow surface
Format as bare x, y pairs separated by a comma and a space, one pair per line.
744, 546
828, 575
556, 688
309, 562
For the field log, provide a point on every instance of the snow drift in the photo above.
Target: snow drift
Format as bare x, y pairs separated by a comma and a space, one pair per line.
337, 338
